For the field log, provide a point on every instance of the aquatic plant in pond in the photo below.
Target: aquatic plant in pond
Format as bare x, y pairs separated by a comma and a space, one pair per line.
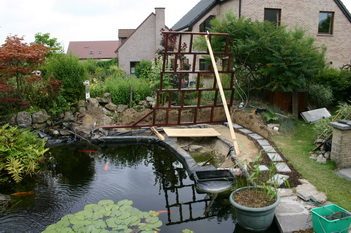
107, 216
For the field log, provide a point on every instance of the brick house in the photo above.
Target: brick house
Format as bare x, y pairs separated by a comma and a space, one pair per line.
141, 43
99, 50
327, 20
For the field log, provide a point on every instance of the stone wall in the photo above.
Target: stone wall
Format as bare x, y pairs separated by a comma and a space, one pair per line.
341, 146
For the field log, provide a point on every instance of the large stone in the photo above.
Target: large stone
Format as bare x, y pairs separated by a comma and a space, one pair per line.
121, 108
85, 132
39, 126
110, 106
13, 120
82, 103
92, 103
40, 117
150, 99
307, 192
107, 97
24, 120
69, 116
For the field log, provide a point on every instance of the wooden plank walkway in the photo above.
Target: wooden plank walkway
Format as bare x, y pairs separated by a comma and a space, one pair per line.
201, 132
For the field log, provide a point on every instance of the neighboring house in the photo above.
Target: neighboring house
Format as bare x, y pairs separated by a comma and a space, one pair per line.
143, 43
100, 50
124, 34
327, 20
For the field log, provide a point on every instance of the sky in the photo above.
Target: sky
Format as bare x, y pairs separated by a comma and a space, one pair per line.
84, 20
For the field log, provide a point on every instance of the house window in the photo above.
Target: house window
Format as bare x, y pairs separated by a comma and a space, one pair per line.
325, 24
272, 15
205, 25
204, 64
99, 52
132, 66
91, 52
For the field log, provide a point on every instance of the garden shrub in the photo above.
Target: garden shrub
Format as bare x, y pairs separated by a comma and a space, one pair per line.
20, 153
143, 69
272, 56
339, 81
320, 96
119, 87
71, 72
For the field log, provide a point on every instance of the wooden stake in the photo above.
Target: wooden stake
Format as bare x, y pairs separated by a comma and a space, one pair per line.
224, 101
160, 136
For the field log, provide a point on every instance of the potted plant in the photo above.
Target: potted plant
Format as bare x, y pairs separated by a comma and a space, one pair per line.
255, 204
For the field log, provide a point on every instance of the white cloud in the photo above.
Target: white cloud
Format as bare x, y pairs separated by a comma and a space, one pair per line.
76, 20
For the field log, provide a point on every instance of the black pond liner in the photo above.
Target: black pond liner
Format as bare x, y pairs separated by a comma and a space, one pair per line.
207, 179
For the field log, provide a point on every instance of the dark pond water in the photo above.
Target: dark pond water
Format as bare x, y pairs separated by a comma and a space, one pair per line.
149, 175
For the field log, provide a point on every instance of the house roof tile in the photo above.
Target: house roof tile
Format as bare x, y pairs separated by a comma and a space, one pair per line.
94, 49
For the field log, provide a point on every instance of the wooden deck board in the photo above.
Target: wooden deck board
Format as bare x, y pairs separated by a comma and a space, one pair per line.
199, 132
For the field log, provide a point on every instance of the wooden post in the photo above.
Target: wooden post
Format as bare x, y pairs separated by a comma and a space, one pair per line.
224, 101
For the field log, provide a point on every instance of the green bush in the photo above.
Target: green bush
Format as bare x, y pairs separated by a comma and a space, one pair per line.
20, 153
274, 57
143, 69
119, 87
71, 72
339, 81
320, 96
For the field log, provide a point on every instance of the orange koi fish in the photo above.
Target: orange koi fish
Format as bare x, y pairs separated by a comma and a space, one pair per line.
163, 211
87, 151
22, 194
107, 166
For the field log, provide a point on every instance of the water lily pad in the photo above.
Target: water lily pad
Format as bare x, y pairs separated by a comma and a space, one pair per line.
105, 202
125, 202
106, 216
151, 219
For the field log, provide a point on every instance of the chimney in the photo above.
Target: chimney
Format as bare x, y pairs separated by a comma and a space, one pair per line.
160, 23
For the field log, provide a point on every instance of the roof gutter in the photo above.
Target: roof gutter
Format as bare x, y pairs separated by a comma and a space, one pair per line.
239, 8
343, 9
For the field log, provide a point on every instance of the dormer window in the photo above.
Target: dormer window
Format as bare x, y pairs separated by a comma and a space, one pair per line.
91, 52
205, 25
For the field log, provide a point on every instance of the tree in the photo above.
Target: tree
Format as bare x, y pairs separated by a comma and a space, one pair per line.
71, 72
18, 60
48, 42
274, 57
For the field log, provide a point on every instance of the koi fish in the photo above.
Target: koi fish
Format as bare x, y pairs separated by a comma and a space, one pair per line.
107, 166
22, 194
87, 151
163, 211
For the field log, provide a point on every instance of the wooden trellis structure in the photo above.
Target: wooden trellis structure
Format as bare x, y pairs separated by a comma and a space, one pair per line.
188, 92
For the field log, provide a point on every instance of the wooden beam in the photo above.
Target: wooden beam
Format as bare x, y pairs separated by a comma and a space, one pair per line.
224, 101
190, 132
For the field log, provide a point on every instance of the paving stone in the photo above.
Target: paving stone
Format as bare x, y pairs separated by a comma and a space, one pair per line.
282, 167
308, 192
263, 168
268, 149
255, 136
263, 142
275, 157
235, 126
293, 215
285, 192
245, 131
279, 179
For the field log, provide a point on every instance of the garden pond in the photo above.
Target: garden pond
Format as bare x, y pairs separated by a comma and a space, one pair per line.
149, 175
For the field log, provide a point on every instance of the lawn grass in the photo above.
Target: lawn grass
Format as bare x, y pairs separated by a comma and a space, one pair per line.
296, 146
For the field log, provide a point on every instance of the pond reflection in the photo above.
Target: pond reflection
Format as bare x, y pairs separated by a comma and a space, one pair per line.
149, 175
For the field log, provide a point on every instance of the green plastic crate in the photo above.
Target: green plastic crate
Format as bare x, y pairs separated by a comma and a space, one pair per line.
330, 218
